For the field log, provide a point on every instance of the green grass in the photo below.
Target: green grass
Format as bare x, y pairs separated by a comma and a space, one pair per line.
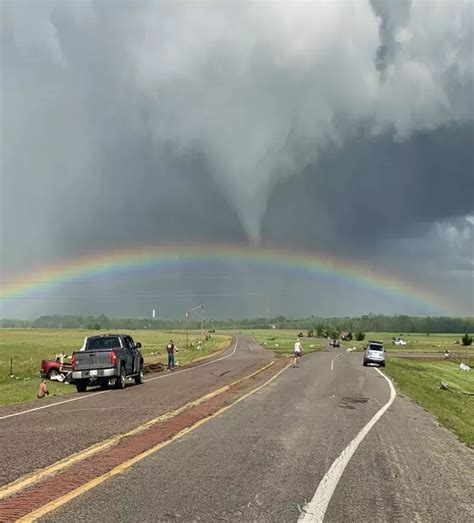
27, 347
420, 381
415, 343
285, 339
18, 391
282, 342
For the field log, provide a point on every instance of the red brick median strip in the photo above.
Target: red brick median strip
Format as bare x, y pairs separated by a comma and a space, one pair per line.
34, 497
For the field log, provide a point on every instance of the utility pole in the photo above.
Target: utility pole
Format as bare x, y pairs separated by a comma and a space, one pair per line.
202, 320
187, 328
188, 314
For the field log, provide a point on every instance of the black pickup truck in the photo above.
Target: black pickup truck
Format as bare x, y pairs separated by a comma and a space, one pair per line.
104, 358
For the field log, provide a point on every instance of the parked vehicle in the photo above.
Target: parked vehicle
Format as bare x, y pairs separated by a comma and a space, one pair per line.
55, 370
399, 342
347, 337
104, 358
374, 353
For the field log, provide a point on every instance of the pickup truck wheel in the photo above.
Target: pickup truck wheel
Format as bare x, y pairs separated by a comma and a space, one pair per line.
120, 381
81, 386
139, 378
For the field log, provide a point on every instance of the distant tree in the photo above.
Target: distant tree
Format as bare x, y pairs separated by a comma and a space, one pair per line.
360, 336
320, 329
466, 340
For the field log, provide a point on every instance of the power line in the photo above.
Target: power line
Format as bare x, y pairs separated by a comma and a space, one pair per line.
114, 296
62, 282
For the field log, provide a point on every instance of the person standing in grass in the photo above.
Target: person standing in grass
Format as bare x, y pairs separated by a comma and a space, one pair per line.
297, 353
43, 389
170, 351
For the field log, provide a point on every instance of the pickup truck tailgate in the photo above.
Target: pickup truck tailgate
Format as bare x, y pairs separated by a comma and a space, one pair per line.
96, 359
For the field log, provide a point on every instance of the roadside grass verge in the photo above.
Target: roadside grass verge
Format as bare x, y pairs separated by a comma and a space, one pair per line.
421, 380
23, 349
14, 392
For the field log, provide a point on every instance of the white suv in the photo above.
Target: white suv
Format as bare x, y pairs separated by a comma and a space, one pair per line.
374, 353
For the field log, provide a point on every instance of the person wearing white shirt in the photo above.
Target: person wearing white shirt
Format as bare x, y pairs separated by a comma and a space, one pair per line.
297, 353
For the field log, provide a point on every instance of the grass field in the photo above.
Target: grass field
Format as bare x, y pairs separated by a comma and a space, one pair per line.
282, 341
415, 342
420, 381
23, 350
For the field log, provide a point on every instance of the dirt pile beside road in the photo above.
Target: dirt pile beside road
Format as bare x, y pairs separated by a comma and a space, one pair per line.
153, 367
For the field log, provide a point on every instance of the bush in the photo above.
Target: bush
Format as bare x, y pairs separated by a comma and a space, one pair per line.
360, 336
310, 333
320, 330
466, 340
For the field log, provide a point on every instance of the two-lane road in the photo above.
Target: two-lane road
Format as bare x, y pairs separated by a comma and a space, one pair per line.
263, 459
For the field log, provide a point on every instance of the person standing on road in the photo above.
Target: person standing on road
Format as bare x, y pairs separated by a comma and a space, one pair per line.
298, 351
43, 389
170, 351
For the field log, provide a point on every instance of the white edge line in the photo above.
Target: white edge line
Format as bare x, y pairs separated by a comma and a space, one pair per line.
53, 404
105, 391
315, 510
197, 366
336, 356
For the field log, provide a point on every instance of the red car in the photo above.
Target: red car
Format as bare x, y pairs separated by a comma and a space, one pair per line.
53, 369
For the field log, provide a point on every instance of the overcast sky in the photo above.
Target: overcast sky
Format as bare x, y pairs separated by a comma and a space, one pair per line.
341, 127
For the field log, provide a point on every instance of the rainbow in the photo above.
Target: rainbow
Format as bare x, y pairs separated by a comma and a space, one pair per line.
133, 260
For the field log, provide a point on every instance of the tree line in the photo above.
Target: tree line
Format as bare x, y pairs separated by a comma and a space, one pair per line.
367, 323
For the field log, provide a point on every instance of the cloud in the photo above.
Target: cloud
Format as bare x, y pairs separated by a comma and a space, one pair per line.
262, 90
140, 122
259, 89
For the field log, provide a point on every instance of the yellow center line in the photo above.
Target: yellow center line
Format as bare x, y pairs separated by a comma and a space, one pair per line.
62, 500
24, 482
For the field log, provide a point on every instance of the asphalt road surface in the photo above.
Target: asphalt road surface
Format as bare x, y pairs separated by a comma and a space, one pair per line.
265, 457
36, 439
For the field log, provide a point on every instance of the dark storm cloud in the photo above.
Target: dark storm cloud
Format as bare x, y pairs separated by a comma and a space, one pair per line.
332, 126
376, 191
80, 169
